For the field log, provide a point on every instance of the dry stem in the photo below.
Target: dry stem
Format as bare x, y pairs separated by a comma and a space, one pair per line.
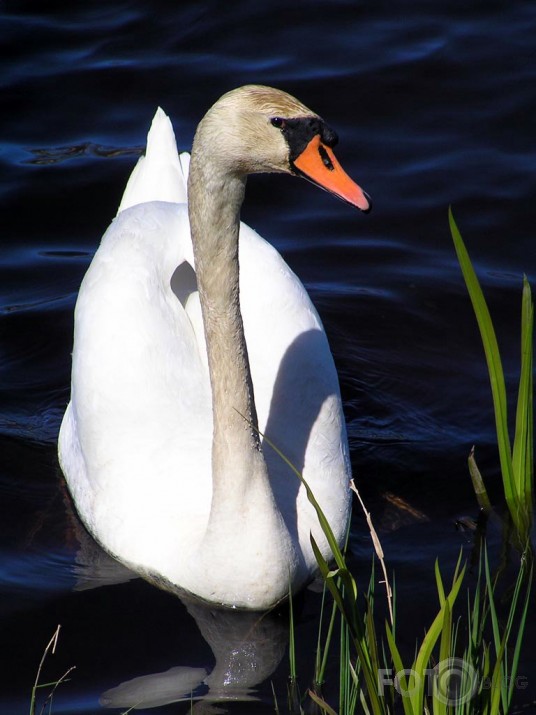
378, 549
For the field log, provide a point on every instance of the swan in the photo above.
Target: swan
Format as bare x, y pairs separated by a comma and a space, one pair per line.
193, 338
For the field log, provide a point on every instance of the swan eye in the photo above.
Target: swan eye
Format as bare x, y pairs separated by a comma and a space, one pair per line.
277, 122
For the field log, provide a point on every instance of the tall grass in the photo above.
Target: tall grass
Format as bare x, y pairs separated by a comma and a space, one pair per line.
516, 462
467, 662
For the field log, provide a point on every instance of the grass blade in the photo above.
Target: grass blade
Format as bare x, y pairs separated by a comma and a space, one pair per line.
522, 458
399, 669
423, 657
521, 629
493, 359
322, 704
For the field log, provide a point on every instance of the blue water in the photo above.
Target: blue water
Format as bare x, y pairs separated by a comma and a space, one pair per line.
434, 105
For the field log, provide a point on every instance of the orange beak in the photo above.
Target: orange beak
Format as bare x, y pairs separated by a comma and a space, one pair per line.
317, 163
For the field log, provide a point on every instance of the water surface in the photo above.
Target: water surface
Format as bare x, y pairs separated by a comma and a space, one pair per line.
434, 105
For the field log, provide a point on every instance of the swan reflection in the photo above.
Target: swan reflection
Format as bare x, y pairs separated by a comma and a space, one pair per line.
247, 647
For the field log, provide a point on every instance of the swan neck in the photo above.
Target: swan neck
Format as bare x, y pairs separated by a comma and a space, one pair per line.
215, 198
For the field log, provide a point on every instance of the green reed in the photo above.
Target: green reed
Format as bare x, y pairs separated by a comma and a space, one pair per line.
517, 462
467, 662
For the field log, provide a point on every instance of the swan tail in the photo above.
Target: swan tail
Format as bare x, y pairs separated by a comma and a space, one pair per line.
162, 174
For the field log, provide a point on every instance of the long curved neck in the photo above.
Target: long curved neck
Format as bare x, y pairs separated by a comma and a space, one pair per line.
215, 198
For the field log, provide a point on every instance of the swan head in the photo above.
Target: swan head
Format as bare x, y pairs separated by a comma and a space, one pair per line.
257, 129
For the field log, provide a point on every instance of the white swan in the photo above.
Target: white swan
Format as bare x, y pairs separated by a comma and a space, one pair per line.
173, 369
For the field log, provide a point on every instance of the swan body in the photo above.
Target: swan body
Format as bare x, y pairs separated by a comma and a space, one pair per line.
179, 362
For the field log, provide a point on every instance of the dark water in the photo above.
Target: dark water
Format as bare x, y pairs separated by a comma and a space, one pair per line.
434, 105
